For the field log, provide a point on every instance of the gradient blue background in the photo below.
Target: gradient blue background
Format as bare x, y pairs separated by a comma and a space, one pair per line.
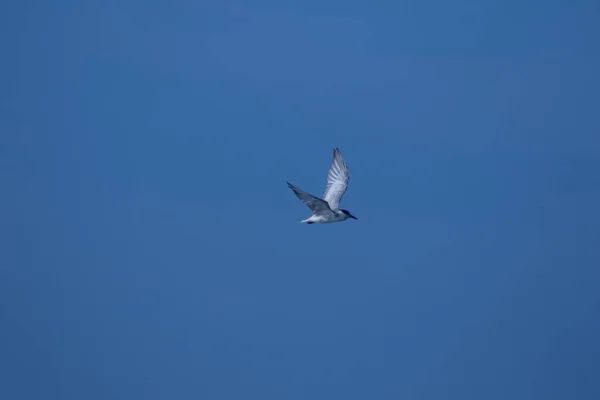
150, 248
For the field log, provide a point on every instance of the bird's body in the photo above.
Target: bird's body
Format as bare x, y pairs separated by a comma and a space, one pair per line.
327, 209
334, 216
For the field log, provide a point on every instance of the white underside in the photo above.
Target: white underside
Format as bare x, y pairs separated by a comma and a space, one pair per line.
320, 219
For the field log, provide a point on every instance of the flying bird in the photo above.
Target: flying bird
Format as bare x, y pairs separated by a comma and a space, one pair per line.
327, 209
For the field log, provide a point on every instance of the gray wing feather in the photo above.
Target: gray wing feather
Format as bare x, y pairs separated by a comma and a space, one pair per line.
316, 204
337, 180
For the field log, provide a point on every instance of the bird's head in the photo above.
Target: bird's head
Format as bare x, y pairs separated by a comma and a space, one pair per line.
348, 214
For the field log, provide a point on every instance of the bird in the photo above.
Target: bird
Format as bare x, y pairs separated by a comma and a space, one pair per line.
327, 209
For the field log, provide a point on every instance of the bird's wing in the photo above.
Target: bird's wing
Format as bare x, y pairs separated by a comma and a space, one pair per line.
316, 204
337, 180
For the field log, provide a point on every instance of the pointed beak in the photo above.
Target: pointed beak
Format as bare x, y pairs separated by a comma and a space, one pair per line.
352, 216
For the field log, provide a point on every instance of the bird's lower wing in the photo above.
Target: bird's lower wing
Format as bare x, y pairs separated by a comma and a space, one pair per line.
316, 204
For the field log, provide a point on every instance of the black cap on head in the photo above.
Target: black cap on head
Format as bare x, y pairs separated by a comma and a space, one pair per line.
348, 214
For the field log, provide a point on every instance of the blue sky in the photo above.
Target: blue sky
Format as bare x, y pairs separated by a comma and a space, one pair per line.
152, 250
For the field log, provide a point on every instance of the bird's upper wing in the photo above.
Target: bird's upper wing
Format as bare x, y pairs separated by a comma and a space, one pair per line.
316, 204
337, 180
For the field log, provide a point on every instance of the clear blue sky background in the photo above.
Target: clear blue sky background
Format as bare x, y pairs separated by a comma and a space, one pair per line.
150, 248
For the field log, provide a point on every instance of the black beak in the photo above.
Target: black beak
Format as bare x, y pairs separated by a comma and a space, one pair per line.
352, 216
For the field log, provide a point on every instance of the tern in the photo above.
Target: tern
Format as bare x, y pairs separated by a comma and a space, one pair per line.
328, 209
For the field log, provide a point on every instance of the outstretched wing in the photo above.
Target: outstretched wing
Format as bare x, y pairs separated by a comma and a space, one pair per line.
316, 204
337, 180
